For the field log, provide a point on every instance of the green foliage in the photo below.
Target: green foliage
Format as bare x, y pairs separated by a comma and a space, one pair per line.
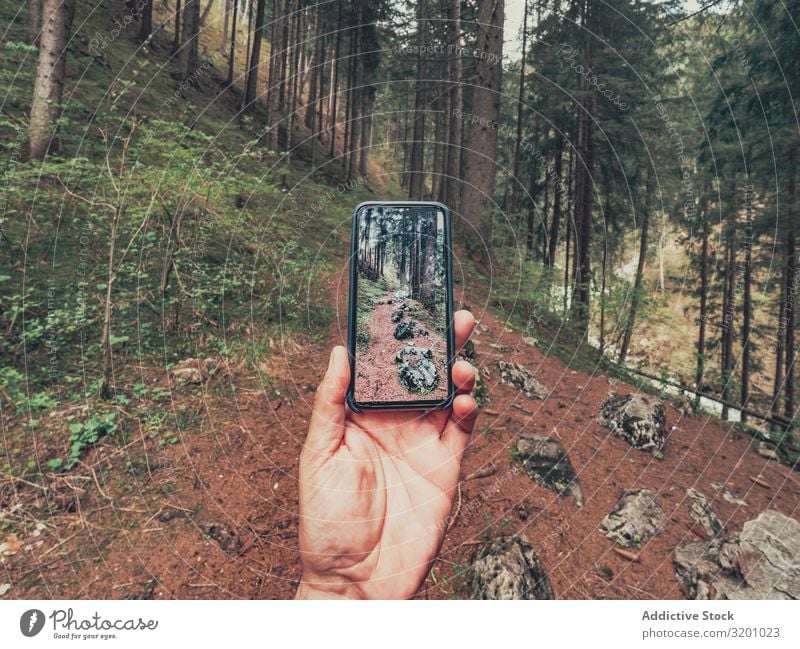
82, 436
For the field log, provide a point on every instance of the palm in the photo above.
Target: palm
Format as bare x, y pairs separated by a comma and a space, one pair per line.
382, 525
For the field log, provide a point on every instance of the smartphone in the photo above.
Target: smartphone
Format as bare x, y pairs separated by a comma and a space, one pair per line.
400, 329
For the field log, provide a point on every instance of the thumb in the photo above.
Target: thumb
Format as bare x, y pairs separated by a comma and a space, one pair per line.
326, 428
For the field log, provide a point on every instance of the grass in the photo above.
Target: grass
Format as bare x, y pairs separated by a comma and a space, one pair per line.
369, 291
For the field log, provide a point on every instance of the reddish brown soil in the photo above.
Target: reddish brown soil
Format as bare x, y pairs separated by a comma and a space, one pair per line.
148, 535
376, 370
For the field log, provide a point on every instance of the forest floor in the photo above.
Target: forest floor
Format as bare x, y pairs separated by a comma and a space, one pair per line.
215, 515
376, 369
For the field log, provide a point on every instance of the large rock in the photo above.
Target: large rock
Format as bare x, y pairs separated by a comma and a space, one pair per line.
760, 562
637, 419
508, 568
416, 372
636, 517
703, 516
546, 462
522, 379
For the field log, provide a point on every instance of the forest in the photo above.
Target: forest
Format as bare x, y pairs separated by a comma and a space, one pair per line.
402, 306
179, 179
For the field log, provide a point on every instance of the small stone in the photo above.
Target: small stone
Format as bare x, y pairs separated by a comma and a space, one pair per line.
508, 568
408, 352
546, 462
521, 378
404, 330
195, 370
223, 535
702, 515
397, 315
637, 419
767, 451
636, 518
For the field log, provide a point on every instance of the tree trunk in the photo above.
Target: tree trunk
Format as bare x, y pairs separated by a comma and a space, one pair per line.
479, 173
747, 303
176, 32
416, 179
226, 15
35, 21
779, 348
335, 79
190, 38
454, 101
146, 24
48, 88
436, 168
516, 184
729, 300
251, 82
313, 89
791, 288
555, 224
583, 190
637, 284
532, 191
701, 336
604, 268
232, 55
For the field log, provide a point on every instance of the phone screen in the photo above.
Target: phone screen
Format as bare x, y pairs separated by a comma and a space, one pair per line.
401, 314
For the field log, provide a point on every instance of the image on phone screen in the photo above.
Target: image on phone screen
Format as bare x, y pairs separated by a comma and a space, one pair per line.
401, 313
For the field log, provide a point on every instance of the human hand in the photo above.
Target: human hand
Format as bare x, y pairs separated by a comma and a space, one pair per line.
376, 488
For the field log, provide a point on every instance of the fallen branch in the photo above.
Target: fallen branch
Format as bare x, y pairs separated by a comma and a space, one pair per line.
483, 472
627, 554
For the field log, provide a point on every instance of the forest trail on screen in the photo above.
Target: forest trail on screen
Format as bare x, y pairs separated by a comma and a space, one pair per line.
177, 198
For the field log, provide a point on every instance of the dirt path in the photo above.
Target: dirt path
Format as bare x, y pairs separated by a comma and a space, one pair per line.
376, 369
215, 516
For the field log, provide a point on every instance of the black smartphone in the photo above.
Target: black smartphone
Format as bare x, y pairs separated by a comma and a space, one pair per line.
400, 329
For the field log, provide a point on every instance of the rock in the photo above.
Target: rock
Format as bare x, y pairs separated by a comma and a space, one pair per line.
408, 352
417, 372
521, 378
4, 588
223, 535
546, 462
702, 514
419, 331
399, 295
404, 330
468, 352
636, 517
637, 419
397, 315
528, 340
729, 497
508, 568
760, 562
195, 370
767, 451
